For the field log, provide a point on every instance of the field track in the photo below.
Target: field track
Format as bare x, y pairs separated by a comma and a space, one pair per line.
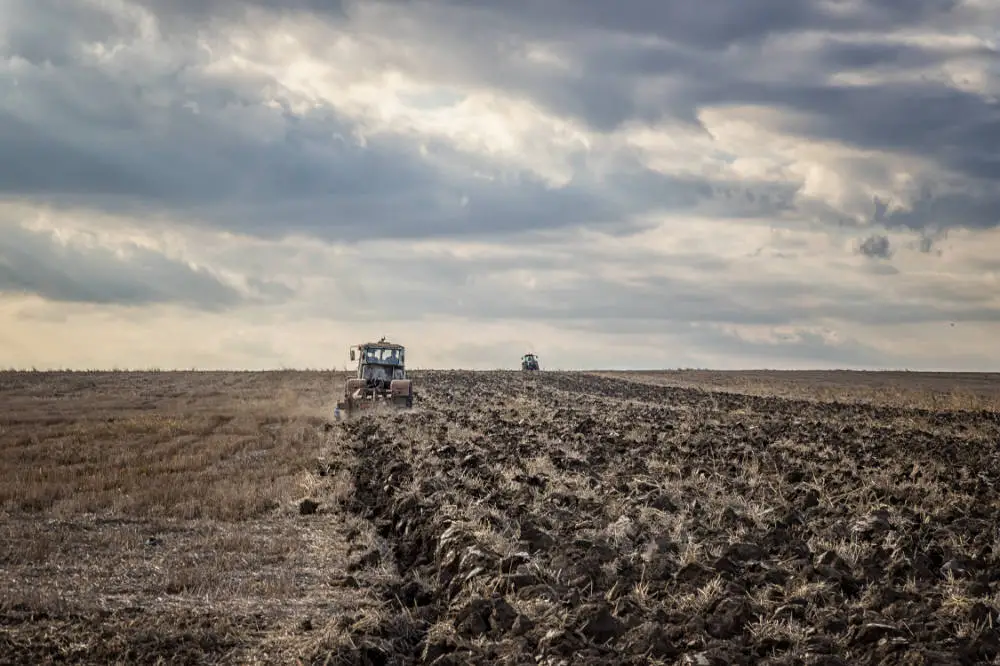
558, 518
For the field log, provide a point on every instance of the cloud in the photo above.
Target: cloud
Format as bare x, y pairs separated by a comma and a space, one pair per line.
247, 162
655, 171
150, 116
76, 269
876, 246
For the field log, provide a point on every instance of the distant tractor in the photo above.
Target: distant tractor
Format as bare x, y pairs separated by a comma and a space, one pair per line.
381, 379
529, 362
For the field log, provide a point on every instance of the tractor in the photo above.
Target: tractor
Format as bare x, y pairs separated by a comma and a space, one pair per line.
529, 362
381, 379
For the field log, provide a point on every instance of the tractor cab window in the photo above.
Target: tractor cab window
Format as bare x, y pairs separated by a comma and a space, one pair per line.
384, 356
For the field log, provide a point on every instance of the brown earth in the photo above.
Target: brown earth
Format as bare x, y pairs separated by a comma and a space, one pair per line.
926, 390
556, 518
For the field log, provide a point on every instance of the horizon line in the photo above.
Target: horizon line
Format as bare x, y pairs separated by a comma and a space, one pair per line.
193, 369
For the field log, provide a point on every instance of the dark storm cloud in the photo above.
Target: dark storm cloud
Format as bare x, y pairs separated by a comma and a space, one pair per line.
711, 23
716, 24
33, 262
184, 11
876, 246
838, 55
45, 164
958, 128
305, 174
53, 31
161, 133
975, 208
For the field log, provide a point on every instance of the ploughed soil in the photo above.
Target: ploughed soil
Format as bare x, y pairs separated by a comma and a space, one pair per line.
545, 518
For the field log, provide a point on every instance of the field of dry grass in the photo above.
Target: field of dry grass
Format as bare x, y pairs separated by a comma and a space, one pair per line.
157, 514
559, 518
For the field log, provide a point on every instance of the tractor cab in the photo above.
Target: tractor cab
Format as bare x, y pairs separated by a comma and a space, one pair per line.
379, 361
529, 362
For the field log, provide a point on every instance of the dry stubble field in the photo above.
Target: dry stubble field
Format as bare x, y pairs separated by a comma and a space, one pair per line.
563, 518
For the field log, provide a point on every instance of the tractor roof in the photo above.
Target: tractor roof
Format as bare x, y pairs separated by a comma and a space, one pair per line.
381, 345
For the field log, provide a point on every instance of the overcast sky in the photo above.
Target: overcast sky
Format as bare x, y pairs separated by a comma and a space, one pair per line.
644, 183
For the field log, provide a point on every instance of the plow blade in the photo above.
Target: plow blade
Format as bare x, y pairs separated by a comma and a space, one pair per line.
399, 396
345, 411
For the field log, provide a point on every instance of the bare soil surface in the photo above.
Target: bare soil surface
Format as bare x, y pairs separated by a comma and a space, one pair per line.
551, 518
922, 390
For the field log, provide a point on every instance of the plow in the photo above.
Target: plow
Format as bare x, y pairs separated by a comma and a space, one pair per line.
381, 382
